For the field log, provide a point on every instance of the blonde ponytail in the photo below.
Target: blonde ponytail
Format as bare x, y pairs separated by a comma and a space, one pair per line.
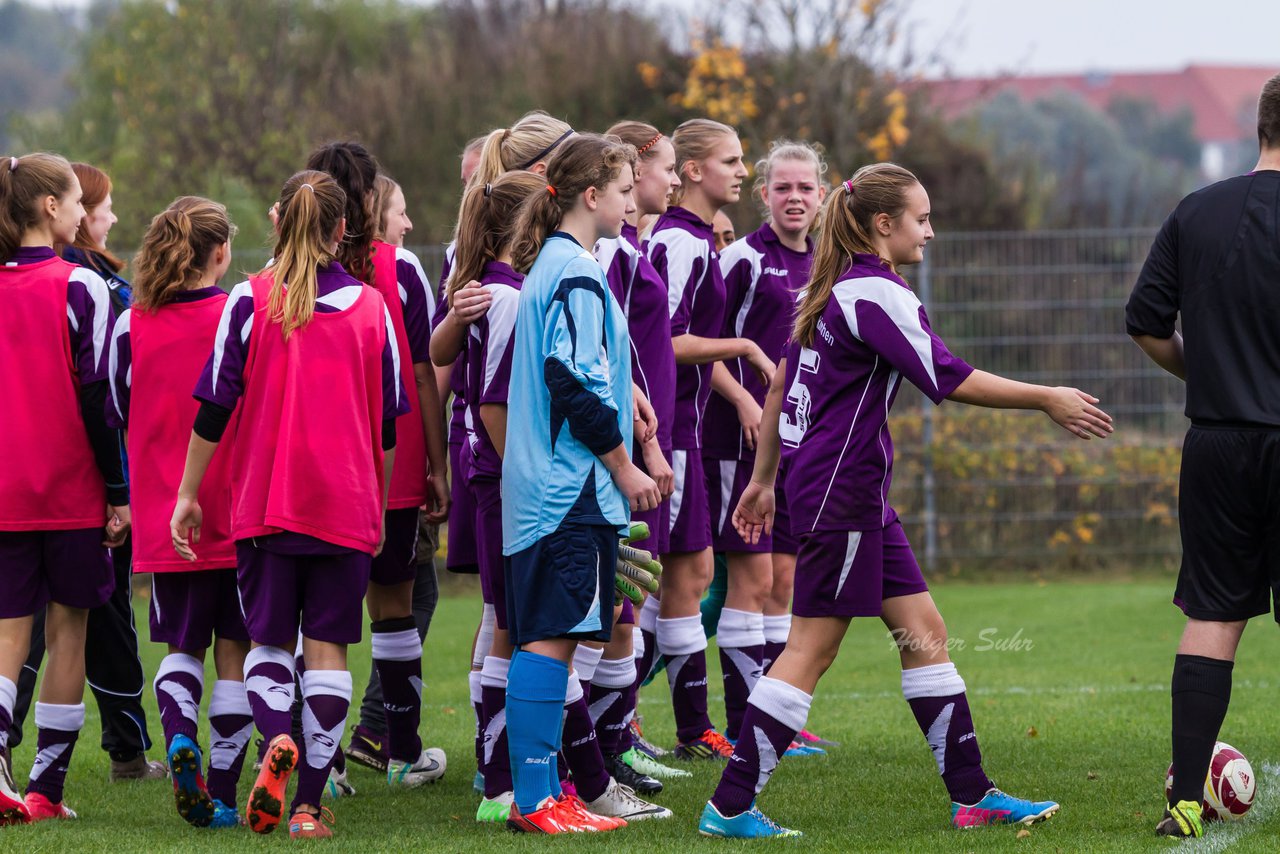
311, 207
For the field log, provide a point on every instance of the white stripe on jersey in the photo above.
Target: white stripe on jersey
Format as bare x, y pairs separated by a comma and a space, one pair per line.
341, 299
850, 552
392, 342
853, 423
733, 255
898, 303
113, 359
502, 325
241, 291
403, 254
682, 250
101, 296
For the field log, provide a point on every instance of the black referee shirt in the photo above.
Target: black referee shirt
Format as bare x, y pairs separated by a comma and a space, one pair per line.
1216, 261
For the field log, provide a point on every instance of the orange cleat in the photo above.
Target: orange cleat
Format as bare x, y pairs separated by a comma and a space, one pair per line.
266, 798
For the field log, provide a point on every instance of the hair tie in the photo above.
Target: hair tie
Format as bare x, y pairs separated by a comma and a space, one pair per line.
488, 188
544, 152
551, 190
13, 164
642, 149
848, 186
307, 187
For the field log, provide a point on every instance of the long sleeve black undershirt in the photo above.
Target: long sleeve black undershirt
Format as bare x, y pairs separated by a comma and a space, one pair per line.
105, 441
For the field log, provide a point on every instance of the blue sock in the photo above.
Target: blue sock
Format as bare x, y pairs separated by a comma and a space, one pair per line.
536, 688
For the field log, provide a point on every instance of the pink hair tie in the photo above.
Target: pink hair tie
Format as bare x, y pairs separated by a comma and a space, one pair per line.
13, 164
848, 186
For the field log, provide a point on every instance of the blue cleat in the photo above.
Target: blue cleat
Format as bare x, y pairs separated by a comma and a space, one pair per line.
224, 816
189, 790
998, 808
477, 783
751, 824
796, 749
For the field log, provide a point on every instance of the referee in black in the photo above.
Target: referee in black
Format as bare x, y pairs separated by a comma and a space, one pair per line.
1216, 264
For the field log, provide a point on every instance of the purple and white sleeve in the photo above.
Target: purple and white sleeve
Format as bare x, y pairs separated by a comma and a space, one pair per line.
89, 322
501, 321
889, 319
419, 302
222, 380
395, 400
120, 372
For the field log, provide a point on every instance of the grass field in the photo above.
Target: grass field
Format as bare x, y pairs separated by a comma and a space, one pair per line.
1069, 687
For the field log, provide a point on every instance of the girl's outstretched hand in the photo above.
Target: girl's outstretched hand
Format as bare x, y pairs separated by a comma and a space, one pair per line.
1076, 412
754, 513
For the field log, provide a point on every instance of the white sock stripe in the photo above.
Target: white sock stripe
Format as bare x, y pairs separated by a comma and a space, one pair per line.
8, 694
777, 627
180, 662
573, 691
648, 618
229, 697
783, 702
484, 637
473, 683
335, 683
396, 646
681, 636
60, 716
740, 628
268, 655
494, 674
936, 680
586, 659
637, 642
615, 673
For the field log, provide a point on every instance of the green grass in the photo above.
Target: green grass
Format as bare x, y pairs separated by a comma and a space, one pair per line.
1078, 713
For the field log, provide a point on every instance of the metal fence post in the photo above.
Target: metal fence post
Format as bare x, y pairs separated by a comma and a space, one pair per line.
927, 414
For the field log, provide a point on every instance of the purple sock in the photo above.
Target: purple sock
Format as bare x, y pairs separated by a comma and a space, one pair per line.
230, 726
776, 712
397, 653
268, 679
608, 703
497, 756
740, 636
937, 698
326, 698
682, 641
580, 747
179, 685
57, 727
8, 696
646, 645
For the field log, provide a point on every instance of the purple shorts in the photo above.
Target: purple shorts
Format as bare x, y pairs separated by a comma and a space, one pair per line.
461, 554
658, 519
487, 495
726, 481
325, 592
784, 541
71, 568
851, 573
189, 609
690, 524
627, 617
398, 561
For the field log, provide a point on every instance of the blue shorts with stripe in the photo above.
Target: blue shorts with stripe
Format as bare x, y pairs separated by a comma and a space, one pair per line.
562, 585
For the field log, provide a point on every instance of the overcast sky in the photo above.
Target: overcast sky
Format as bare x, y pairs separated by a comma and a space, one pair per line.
978, 37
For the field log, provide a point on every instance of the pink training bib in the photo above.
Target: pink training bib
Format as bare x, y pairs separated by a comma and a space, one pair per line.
169, 348
48, 478
307, 456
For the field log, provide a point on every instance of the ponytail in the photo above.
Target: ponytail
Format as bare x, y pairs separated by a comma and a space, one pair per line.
695, 140
355, 170
311, 208
177, 248
485, 223
847, 230
585, 160
24, 183
528, 142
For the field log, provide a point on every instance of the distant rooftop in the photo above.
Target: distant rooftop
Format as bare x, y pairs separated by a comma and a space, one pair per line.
1223, 99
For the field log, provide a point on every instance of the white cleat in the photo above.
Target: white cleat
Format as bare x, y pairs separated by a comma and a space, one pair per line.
619, 801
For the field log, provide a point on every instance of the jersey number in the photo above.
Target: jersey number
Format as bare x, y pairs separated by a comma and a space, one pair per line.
791, 429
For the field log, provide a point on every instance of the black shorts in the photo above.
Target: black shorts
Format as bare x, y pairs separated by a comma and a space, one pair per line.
1229, 516
562, 585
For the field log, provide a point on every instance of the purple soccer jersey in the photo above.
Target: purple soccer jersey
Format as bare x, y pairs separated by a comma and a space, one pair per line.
487, 353
457, 377
834, 425
642, 293
681, 248
418, 301
89, 317
222, 381
762, 278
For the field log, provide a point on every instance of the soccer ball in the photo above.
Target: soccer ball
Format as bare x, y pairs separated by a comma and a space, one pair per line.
1229, 786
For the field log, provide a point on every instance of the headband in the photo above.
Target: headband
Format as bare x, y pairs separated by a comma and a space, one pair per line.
13, 164
544, 152
551, 190
848, 186
642, 149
